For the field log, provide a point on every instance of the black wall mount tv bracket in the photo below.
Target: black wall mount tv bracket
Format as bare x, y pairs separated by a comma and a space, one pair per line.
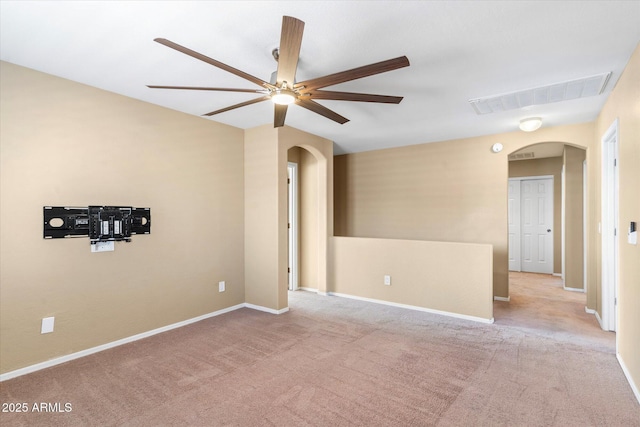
99, 223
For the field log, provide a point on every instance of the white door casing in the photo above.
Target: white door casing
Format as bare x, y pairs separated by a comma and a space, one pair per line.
531, 224
610, 227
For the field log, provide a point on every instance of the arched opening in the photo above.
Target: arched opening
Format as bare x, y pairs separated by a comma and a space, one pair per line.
315, 171
546, 220
303, 203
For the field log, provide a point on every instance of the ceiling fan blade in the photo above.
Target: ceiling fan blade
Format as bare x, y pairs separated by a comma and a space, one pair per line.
289, 50
353, 74
242, 104
322, 110
221, 89
349, 96
213, 62
279, 115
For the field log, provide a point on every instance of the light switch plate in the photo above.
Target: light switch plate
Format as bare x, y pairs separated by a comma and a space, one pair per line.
221, 286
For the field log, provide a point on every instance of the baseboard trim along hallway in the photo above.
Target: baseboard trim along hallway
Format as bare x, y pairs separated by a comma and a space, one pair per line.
627, 374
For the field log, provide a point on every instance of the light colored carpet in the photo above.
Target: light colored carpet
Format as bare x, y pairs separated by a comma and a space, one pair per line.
331, 361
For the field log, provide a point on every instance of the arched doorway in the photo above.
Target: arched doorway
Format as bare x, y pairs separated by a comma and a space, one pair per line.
540, 300
317, 153
303, 216
562, 165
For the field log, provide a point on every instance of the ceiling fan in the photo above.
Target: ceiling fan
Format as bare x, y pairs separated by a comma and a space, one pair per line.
285, 90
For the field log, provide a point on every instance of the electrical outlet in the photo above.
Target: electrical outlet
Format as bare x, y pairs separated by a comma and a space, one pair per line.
47, 325
103, 246
387, 280
221, 286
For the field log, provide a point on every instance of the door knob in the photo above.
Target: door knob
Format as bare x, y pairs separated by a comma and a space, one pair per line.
548, 230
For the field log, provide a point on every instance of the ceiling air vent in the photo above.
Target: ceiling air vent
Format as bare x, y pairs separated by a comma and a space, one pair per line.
521, 156
563, 91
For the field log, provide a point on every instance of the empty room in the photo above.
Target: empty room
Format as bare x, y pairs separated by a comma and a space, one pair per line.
316, 213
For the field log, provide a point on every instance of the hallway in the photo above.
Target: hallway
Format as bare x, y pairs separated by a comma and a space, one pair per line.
539, 304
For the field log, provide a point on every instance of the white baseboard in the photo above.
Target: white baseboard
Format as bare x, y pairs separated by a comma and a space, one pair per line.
507, 299
266, 309
627, 374
590, 311
89, 351
302, 288
573, 289
599, 320
557, 274
92, 350
413, 307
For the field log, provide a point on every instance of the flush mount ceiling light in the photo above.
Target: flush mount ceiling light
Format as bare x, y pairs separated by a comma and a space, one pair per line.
530, 124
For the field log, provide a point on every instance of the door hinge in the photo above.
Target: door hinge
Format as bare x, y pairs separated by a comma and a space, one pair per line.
288, 269
288, 225
615, 162
288, 180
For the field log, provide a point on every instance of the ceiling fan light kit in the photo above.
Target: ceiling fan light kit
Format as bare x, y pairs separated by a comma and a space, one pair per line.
283, 96
280, 92
530, 124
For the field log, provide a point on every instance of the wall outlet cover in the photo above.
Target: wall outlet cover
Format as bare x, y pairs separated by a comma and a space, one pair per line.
47, 325
221, 286
103, 246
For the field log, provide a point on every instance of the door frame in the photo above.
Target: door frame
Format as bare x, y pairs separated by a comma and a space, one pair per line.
609, 227
585, 235
292, 188
531, 178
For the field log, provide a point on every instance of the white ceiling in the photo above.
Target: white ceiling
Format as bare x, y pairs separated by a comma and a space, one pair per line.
458, 51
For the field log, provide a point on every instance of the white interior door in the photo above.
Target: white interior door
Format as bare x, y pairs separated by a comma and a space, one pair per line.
536, 225
514, 225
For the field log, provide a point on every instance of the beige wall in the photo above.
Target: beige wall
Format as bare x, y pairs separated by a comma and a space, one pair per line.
266, 243
623, 104
309, 200
261, 216
547, 166
423, 274
573, 275
63, 143
454, 191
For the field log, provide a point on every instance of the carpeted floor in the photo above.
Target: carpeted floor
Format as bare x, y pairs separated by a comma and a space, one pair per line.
331, 361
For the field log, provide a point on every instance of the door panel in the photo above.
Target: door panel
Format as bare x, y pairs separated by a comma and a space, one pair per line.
537, 225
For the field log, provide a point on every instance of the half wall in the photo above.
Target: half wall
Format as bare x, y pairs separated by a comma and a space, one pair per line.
444, 277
